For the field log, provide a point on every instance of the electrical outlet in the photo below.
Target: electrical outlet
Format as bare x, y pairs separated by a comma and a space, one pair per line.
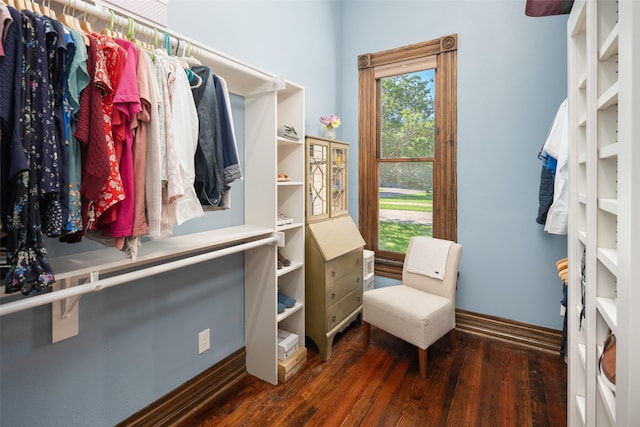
204, 341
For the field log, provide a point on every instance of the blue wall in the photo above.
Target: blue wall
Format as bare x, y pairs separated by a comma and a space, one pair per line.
138, 342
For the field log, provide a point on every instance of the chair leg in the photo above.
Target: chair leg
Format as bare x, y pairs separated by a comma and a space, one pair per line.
366, 333
422, 359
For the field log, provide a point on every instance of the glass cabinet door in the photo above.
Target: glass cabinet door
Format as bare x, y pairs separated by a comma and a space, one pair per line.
317, 180
339, 186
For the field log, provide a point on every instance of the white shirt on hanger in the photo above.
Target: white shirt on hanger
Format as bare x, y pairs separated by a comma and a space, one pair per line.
558, 143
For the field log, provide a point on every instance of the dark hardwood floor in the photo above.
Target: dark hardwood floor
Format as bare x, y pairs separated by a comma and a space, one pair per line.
483, 382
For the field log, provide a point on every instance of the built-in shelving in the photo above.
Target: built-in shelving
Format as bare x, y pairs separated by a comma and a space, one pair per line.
603, 207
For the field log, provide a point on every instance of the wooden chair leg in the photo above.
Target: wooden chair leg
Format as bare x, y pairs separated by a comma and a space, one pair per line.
422, 359
366, 333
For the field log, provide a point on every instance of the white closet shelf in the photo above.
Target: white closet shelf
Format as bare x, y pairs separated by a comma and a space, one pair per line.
582, 81
609, 97
284, 142
609, 257
582, 120
608, 399
578, 19
290, 183
109, 260
581, 405
582, 353
610, 45
582, 235
608, 310
608, 205
608, 151
289, 311
582, 159
582, 198
170, 253
294, 266
291, 226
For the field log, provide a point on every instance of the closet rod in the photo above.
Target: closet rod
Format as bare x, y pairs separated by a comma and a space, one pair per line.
149, 29
36, 301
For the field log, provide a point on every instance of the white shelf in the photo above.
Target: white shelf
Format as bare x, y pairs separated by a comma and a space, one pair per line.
582, 236
582, 353
604, 102
610, 45
608, 205
609, 258
288, 269
609, 311
609, 97
608, 151
290, 183
581, 406
292, 226
110, 260
608, 399
289, 312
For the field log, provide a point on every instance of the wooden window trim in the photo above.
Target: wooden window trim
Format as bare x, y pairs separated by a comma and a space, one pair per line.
445, 217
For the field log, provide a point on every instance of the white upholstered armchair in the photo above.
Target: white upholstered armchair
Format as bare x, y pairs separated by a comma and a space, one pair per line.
422, 309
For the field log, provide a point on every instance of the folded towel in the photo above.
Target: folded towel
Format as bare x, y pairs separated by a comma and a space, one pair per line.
428, 256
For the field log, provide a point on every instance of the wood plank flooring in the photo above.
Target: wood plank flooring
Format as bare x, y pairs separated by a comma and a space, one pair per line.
482, 382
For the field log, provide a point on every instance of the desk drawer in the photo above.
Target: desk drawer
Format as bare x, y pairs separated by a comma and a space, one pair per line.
344, 265
337, 312
338, 289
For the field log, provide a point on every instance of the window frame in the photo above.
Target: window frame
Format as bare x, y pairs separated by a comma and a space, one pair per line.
371, 67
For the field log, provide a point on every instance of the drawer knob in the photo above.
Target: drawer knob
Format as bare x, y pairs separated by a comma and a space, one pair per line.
357, 280
333, 295
333, 318
333, 273
359, 299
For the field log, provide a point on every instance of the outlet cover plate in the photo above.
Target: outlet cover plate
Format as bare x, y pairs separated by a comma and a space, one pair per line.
204, 341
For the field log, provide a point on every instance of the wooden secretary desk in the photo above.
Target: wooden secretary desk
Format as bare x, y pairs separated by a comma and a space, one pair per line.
333, 245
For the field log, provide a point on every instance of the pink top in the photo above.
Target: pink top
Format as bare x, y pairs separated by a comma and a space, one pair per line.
126, 102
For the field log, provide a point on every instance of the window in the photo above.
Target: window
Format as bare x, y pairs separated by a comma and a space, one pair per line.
407, 148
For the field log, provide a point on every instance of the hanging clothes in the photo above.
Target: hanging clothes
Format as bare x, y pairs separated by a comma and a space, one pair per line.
209, 161
29, 270
77, 80
185, 119
127, 105
557, 145
217, 164
98, 140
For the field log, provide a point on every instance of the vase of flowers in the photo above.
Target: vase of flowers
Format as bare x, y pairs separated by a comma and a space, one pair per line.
330, 122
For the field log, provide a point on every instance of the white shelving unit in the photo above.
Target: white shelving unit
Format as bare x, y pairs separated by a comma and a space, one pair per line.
267, 155
604, 104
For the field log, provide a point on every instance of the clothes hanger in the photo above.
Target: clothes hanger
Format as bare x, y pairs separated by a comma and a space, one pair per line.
85, 25
28, 5
52, 13
186, 56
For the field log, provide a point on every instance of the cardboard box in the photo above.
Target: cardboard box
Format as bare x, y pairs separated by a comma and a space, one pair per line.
287, 344
288, 368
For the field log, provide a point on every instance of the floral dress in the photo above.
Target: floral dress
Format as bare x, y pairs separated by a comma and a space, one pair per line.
29, 270
109, 64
